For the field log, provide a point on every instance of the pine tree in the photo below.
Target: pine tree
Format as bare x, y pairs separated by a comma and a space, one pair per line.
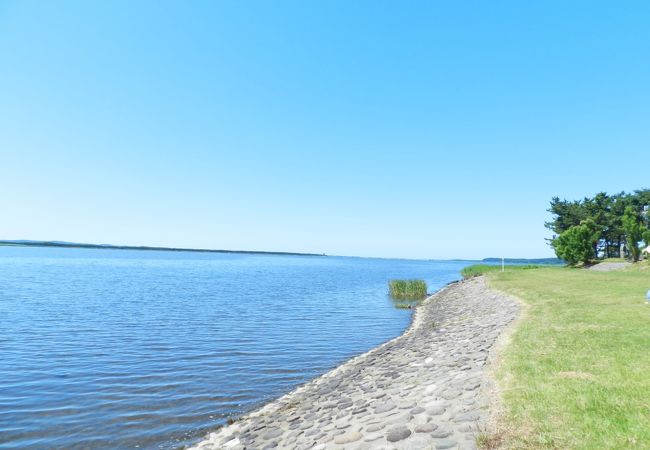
632, 224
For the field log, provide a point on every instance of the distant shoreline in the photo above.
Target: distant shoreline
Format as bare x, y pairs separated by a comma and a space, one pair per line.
63, 244
145, 248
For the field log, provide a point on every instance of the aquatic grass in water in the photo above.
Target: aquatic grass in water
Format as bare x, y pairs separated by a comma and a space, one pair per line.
402, 305
407, 289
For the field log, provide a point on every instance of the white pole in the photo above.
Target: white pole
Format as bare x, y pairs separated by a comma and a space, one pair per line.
503, 264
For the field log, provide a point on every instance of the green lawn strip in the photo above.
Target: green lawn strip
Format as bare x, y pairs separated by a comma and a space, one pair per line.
577, 371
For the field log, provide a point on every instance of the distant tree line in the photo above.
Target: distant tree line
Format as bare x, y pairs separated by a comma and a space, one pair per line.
603, 226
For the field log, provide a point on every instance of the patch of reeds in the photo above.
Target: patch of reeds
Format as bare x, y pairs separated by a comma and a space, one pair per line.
402, 305
407, 289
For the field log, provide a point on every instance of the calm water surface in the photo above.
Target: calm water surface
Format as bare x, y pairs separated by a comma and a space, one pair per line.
126, 349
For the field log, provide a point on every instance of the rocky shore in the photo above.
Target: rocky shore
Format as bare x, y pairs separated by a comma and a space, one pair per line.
426, 389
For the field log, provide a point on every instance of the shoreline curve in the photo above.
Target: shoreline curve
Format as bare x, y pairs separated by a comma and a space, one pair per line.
427, 388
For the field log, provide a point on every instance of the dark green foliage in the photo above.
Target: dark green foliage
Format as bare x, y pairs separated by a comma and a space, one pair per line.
577, 243
633, 226
407, 289
566, 215
606, 211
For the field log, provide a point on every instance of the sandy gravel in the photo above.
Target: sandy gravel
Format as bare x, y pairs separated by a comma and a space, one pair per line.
609, 266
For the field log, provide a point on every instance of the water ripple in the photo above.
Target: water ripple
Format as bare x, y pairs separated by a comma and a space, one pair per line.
118, 349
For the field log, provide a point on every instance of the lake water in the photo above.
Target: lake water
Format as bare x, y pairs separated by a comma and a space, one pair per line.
153, 349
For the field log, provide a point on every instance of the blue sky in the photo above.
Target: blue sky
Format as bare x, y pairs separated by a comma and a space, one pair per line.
396, 129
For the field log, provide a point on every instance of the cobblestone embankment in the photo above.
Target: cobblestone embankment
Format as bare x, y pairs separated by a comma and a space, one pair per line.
427, 389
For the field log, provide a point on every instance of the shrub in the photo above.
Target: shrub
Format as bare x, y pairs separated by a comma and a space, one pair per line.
577, 243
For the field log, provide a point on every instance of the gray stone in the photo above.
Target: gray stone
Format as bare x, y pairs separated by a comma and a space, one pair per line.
426, 427
372, 437
375, 427
306, 446
294, 433
385, 407
416, 444
342, 424
445, 444
435, 410
467, 417
441, 433
417, 410
348, 438
271, 434
407, 405
364, 446
398, 433
450, 394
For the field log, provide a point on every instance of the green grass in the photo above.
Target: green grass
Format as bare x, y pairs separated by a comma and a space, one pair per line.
482, 269
576, 374
613, 260
407, 289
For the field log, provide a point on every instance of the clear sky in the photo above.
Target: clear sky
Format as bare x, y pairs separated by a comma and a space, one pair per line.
371, 128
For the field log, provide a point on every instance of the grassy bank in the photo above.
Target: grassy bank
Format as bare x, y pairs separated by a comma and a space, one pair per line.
576, 373
483, 269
